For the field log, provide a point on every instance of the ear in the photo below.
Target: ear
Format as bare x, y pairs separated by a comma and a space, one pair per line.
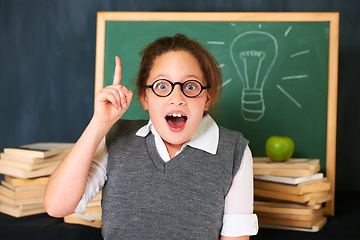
208, 102
144, 102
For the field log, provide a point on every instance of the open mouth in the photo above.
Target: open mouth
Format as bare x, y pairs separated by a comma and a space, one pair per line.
176, 121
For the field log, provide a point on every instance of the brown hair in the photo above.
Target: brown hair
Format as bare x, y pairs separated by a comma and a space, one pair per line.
208, 64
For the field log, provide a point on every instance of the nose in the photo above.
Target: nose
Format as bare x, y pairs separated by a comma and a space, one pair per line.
177, 97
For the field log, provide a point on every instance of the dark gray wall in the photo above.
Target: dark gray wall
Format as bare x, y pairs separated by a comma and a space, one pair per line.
47, 62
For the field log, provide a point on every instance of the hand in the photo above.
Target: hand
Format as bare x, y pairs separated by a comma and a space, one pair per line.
112, 101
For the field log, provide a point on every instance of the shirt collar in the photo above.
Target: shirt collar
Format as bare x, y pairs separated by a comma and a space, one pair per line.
206, 137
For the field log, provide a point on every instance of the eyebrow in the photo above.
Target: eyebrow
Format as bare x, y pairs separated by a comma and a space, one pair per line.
165, 76
161, 76
192, 76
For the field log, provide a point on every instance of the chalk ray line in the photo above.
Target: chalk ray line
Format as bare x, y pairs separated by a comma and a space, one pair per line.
288, 95
216, 42
295, 77
287, 31
299, 53
226, 82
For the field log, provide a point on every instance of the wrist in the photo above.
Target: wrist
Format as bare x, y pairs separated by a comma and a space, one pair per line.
98, 121
99, 128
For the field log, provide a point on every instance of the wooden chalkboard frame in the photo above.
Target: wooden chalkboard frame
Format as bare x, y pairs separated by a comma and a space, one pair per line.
331, 17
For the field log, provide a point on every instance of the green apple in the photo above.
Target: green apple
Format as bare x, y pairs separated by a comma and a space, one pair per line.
279, 148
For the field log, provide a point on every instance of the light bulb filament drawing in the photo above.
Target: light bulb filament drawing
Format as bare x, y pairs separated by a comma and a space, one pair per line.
253, 54
252, 58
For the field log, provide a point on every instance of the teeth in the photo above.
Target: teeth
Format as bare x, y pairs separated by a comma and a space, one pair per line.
175, 115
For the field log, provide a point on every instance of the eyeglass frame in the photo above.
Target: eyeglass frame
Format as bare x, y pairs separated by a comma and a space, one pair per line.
173, 86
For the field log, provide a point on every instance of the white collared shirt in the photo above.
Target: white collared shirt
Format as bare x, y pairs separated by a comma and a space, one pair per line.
206, 137
238, 219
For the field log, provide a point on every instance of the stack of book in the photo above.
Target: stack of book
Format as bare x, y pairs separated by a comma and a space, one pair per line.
289, 195
26, 170
91, 216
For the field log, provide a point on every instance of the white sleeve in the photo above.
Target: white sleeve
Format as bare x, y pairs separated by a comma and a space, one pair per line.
239, 219
96, 177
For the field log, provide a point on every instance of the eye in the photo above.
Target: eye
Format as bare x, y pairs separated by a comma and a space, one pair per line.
161, 85
192, 86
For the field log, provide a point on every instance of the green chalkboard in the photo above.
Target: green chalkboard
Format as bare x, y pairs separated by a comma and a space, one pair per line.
275, 73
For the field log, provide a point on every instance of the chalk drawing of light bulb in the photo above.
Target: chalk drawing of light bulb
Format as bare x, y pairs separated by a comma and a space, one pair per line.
253, 54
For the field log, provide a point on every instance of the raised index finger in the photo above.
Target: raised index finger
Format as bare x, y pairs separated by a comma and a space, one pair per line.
117, 72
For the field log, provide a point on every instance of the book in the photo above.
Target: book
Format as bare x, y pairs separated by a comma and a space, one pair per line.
16, 172
315, 228
19, 202
289, 180
22, 211
321, 199
22, 192
20, 182
289, 197
93, 204
91, 216
299, 189
290, 222
295, 167
74, 219
288, 214
314, 216
93, 209
27, 169
284, 208
27, 166
39, 150
33, 160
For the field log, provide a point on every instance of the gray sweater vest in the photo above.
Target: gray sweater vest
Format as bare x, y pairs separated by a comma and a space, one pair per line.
146, 198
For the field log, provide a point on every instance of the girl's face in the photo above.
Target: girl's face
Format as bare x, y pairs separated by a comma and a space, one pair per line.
176, 117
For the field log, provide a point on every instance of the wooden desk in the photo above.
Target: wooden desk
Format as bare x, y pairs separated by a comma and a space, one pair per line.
44, 227
344, 226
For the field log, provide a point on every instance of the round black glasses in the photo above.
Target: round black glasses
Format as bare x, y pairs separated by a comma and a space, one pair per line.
163, 88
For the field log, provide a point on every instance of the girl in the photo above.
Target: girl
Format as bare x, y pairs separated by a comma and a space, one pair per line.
176, 176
